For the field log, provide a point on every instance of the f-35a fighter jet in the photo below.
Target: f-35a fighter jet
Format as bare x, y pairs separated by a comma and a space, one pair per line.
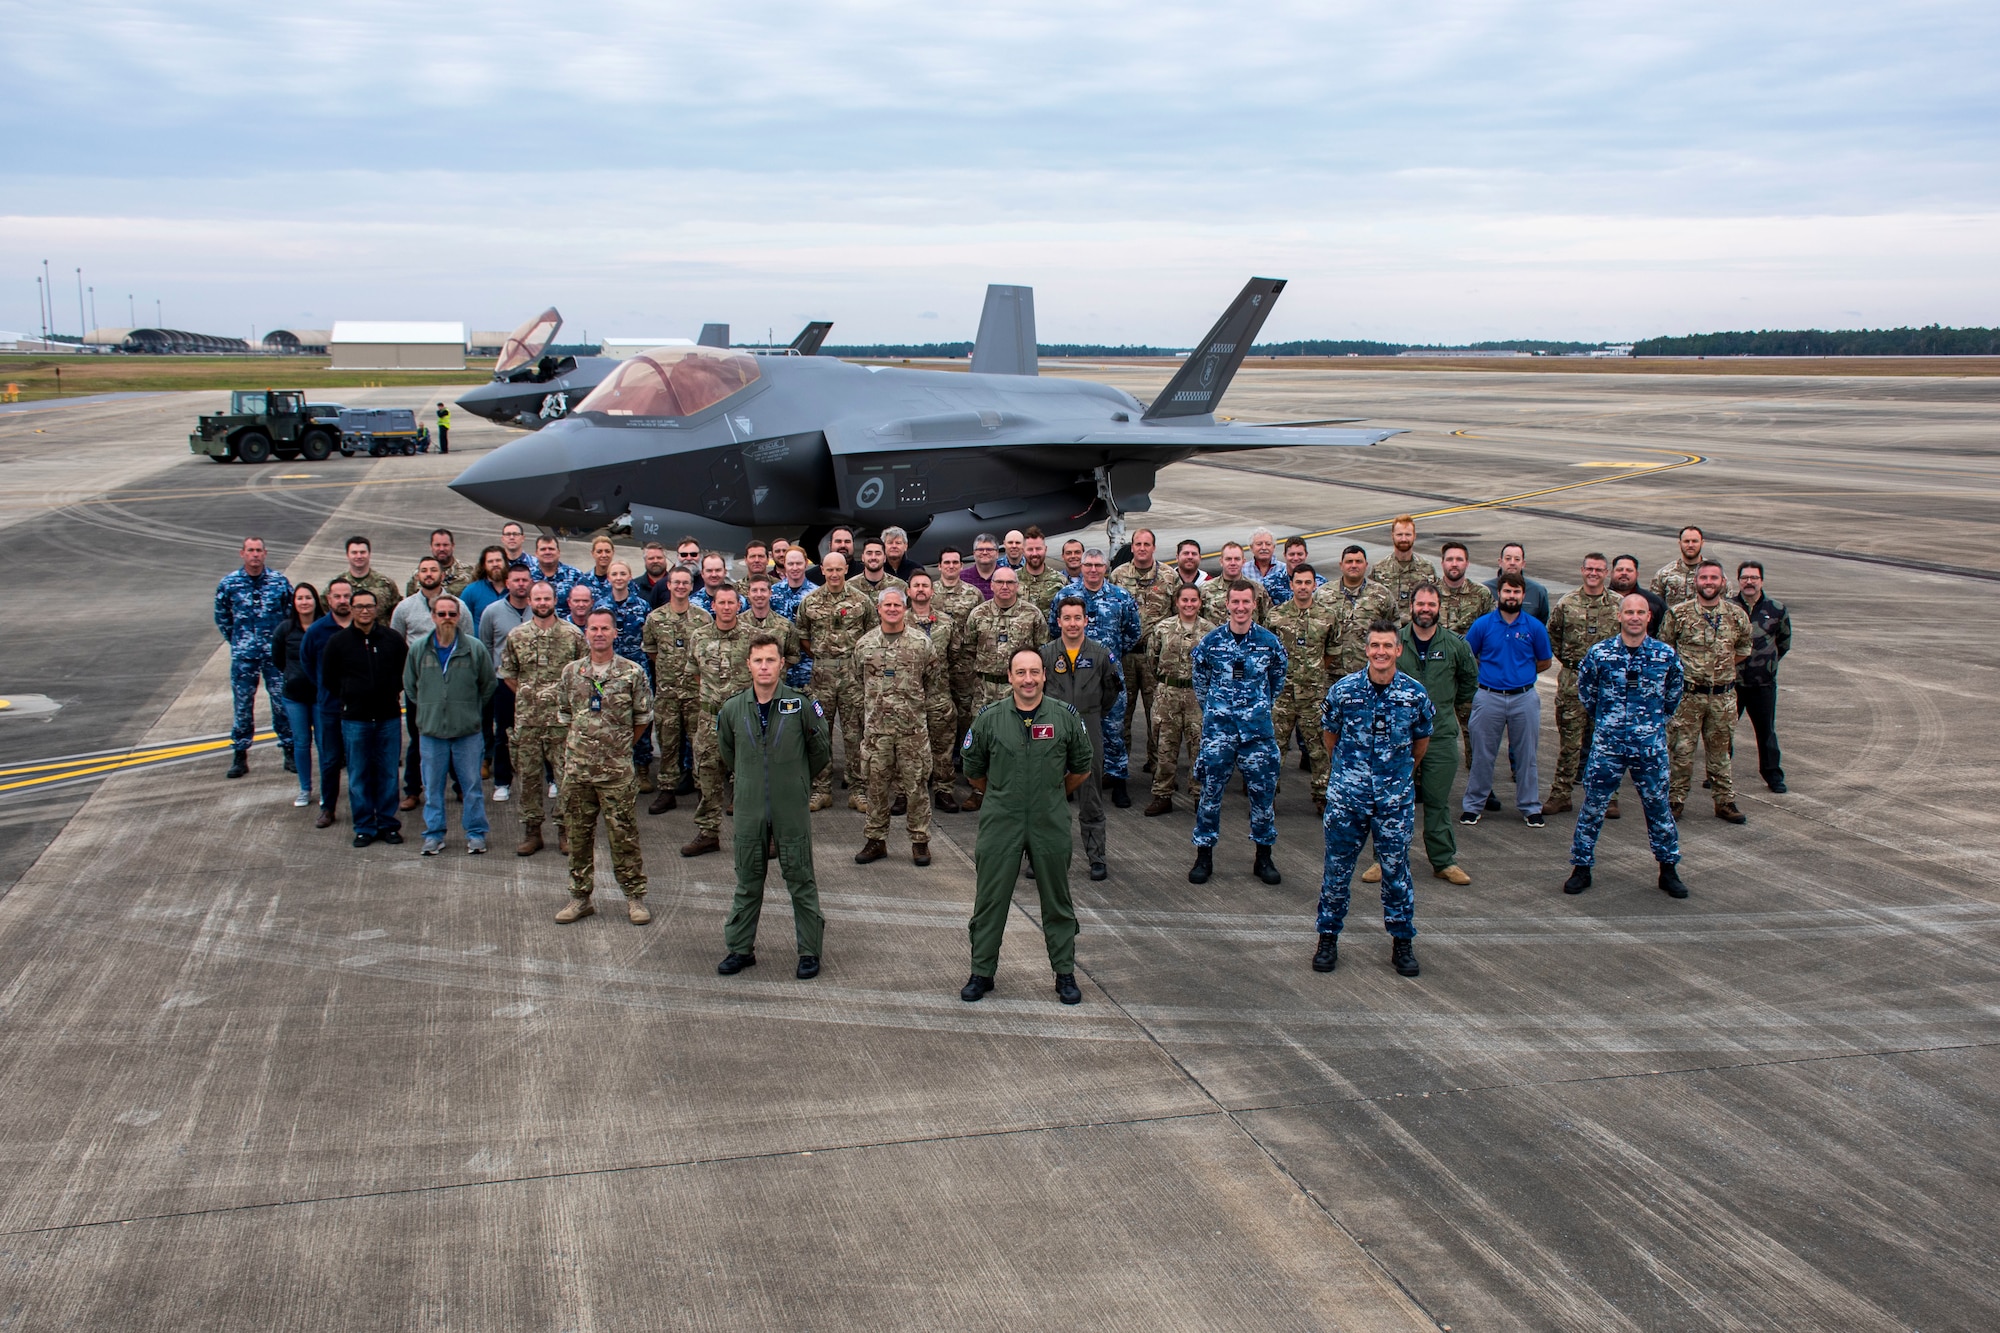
722, 445
529, 389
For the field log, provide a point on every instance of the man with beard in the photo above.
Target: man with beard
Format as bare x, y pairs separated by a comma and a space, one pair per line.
1151, 588
1512, 649
1713, 638
1039, 584
1625, 581
1581, 620
1404, 571
1675, 581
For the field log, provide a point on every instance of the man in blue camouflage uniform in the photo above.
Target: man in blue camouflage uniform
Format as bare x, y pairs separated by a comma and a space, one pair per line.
1113, 622
1630, 686
786, 594
249, 603
1377, 724
1238, 671
548, 567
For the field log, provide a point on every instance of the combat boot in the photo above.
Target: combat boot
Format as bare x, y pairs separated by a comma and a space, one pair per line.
703, 843
685, 787
531, 840
637, 912
873, 849
1674, 808
1578, 881
1264, 869
291, 766
945, 801
1066, 988
1403, 957
239, 764
1670, 882
1121, 796
576, 909
1161, 805
971, 803
562, 839
663, 801
1729, 814
1611, 810
1327, 956
920, 853
1373, 874
732, 963
647, 782
1558, 803
1204, 865
820, 801
1453, 874
856, 801
975, 986
901, 806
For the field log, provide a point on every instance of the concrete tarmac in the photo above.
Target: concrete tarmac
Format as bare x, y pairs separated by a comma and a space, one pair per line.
260, 1079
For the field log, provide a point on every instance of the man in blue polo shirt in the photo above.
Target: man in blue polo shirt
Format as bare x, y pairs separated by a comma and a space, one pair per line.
1512, 649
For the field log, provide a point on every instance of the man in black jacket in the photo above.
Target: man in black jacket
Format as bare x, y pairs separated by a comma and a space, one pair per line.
1082, 673
1757, 675
363, 668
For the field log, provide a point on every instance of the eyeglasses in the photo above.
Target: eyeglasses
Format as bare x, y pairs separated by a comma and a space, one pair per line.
444, 615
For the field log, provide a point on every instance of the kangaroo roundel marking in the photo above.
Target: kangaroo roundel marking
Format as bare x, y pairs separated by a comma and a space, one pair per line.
870, 493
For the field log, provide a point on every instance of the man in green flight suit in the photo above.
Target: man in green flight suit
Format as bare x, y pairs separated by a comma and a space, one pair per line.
774, 741
1024, 754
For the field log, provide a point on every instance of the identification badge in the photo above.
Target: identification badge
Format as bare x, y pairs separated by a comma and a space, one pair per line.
1000, 638
1236, 670
1041, 731
889, 674
596, 704
1085, 663
789, 706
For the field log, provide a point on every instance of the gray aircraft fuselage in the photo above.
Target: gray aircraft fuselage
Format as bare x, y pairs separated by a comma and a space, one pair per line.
528, 403
808, 442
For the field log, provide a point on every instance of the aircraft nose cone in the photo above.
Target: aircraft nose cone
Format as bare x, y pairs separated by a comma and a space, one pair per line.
483, 401
519, 480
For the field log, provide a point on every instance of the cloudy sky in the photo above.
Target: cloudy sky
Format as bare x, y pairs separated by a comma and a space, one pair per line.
1419, 171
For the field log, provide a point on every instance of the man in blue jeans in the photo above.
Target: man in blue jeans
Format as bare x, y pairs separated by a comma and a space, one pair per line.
326, 711
363, 664
1512, 648
448, 678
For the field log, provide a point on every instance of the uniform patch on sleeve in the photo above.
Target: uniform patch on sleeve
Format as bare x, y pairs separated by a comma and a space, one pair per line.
967, 744
817, 710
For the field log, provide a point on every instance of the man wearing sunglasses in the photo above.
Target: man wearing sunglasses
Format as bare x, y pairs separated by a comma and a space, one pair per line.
448, 677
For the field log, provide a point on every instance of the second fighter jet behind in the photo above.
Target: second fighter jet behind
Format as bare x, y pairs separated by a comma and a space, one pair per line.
724, 445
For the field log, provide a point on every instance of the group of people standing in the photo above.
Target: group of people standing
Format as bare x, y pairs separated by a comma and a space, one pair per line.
1022, 676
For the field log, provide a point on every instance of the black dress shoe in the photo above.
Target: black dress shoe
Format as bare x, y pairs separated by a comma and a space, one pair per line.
1403, 957
808, 966
1066, 989
1204, 865
1098, 870
1327, 956
393, 837
736, 962
1670, 882
363, 839
974, 987
1578, 881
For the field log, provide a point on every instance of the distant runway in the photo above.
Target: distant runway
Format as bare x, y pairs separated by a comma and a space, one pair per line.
255, 1071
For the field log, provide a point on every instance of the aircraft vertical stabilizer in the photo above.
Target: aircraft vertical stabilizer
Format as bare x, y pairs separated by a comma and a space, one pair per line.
713, 335
811, 336
1198, 386
1006, 343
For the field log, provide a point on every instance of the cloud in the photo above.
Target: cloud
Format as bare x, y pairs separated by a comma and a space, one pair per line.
1437, 169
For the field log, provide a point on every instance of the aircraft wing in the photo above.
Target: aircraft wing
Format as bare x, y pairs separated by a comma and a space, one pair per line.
1229, 438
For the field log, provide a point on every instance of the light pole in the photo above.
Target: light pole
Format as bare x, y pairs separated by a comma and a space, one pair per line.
131, 311
158, 318
93, 307
41, 308
81, 332
49, 286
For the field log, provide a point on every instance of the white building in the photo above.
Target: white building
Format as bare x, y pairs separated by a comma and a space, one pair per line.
362, 344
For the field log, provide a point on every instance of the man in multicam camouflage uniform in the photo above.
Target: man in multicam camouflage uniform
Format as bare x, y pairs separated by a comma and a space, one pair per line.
1309, 631
1580, 621
1215, 593
875, 578
958, 599
989, 638
1404, 571
940, 706
721, 656
668, 639
455, 576
831, 621
1674, 583
1354, 602
1039, 583
604, 706
1169, 651
763, 618
900, 671
1630, 685
532, 659
363, 577
1460, 602
1151, 585
1713, 637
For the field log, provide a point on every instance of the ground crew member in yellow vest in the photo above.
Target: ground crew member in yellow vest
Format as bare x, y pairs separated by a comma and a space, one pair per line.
1024, 754
604, 706
532, 659
1580, 621
444, 429
1713, 637
1169, 647
772, 740
831, 620
720, 654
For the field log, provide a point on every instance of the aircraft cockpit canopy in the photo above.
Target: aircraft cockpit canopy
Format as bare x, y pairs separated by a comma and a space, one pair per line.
524, 345
672, 382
